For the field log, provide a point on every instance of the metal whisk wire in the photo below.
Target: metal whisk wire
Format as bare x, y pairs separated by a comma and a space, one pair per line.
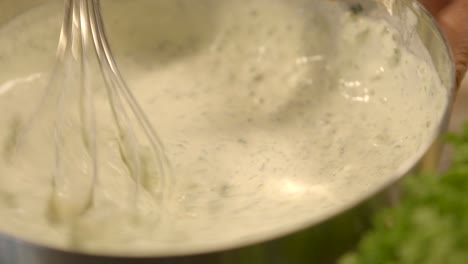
82, 32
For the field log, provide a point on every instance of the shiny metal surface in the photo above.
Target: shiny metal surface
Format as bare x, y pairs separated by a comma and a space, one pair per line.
320, 243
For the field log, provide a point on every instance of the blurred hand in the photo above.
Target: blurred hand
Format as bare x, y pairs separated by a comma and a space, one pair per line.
453, 17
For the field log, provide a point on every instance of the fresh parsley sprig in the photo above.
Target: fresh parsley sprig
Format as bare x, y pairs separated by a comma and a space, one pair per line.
430, 226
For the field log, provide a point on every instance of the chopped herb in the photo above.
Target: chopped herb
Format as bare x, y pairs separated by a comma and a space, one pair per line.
356, 9
224, 190
242, 141
12, 138
396, 58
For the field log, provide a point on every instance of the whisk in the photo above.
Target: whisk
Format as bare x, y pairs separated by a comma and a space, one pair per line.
69, 114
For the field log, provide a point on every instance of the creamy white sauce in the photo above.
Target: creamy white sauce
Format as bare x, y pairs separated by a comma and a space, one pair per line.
274, 114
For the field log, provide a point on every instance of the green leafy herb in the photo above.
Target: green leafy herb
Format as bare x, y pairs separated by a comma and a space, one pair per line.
430, 225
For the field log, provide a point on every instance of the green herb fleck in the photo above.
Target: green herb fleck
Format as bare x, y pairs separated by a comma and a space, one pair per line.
242, 141
356, 9
396, 58
224, 190
12, 138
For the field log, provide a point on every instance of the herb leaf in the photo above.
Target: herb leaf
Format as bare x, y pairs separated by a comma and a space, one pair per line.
430, 225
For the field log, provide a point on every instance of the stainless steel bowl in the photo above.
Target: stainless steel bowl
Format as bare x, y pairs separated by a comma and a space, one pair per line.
318, 243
